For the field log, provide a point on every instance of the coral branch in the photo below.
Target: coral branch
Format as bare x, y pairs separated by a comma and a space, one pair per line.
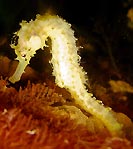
65, 60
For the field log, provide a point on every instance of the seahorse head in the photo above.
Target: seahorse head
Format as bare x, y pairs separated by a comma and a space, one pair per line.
27, 42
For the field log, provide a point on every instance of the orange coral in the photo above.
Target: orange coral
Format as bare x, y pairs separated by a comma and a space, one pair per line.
38, 117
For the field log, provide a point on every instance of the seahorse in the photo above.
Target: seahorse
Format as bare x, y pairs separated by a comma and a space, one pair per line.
65, 62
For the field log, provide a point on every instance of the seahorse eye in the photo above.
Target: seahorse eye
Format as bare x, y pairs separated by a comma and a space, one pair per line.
23, 55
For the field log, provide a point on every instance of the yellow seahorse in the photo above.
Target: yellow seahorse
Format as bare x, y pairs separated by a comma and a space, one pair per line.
65, 60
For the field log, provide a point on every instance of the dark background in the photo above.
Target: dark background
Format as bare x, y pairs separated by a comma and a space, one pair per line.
103, 23
85, 12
